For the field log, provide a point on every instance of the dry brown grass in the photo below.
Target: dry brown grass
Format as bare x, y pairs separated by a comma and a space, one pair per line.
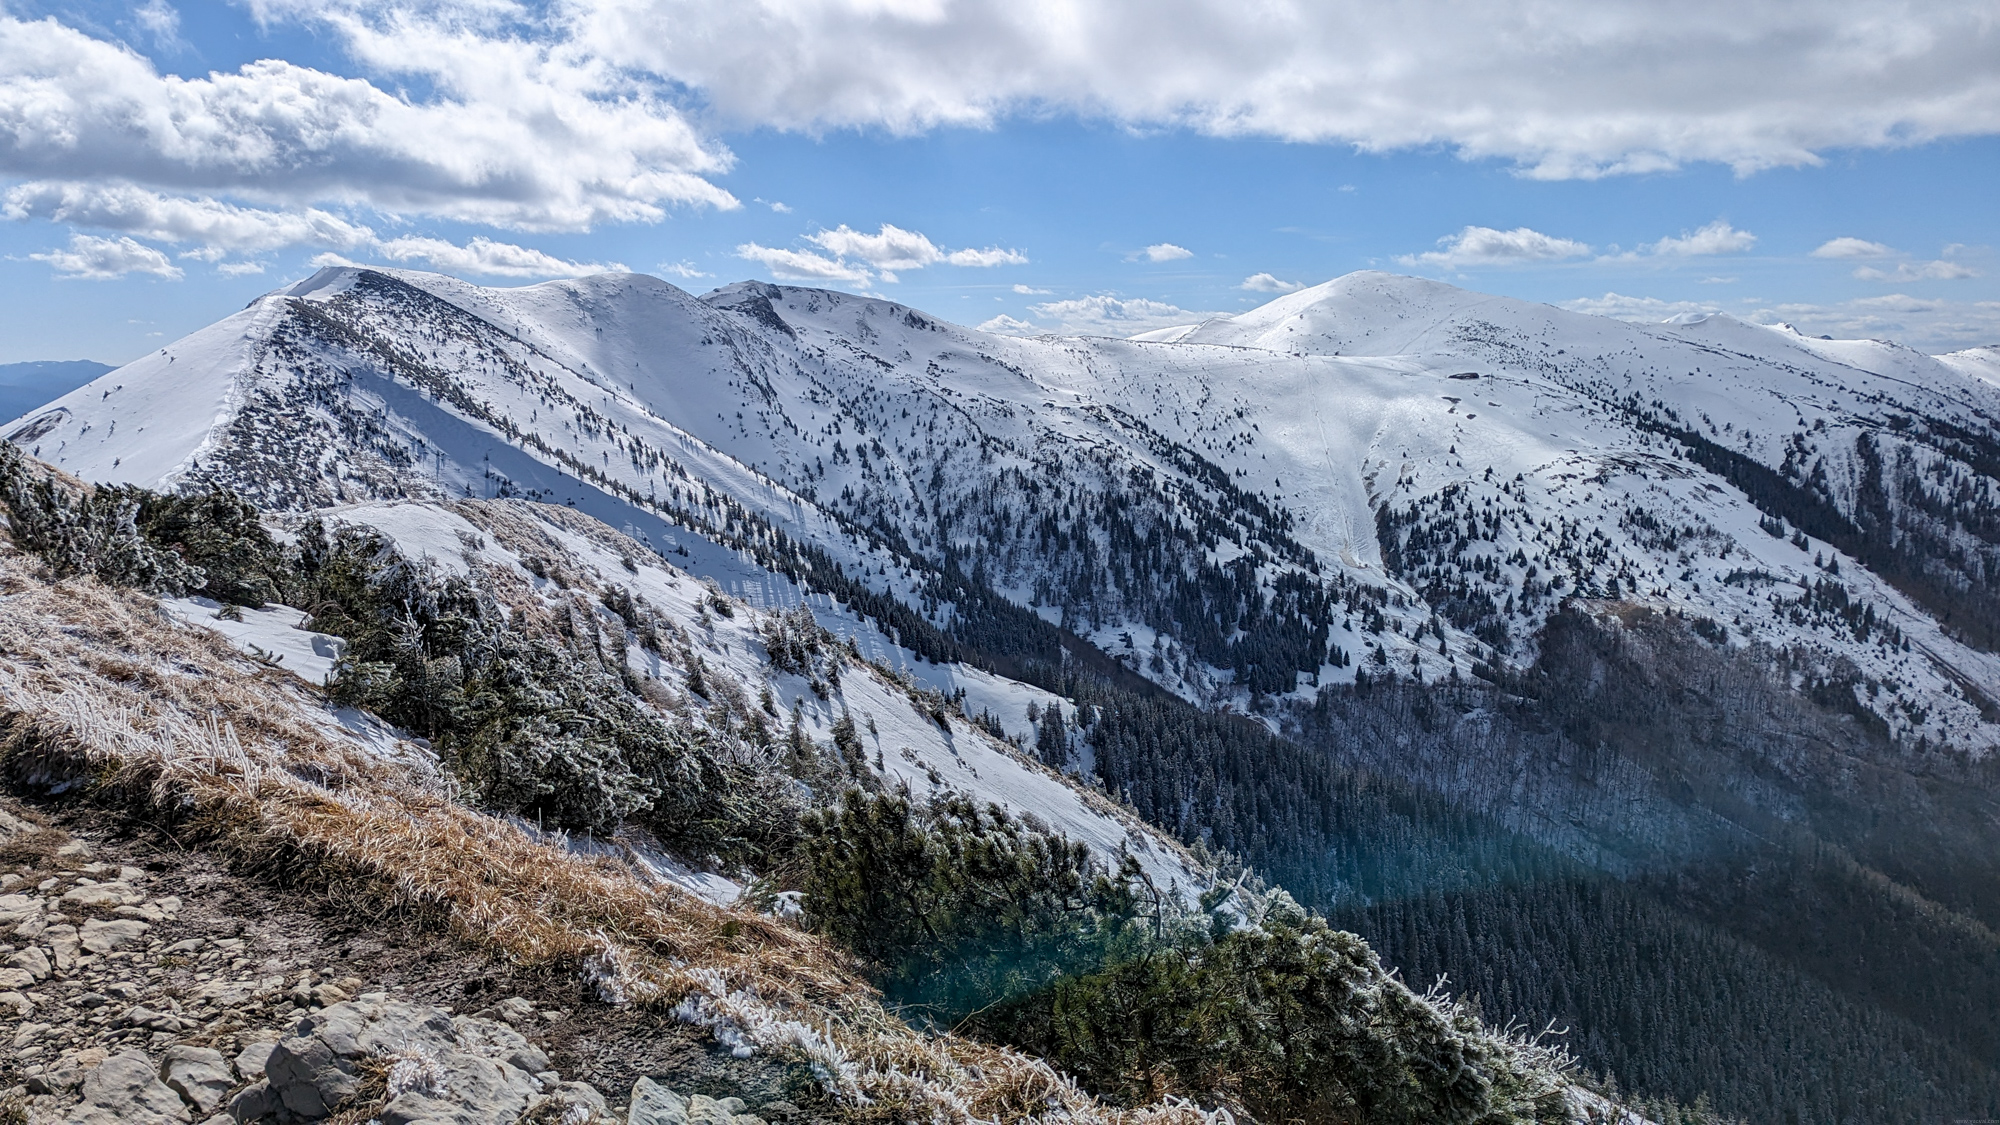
99, 687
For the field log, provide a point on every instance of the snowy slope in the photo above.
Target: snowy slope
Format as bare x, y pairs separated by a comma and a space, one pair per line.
1379, 474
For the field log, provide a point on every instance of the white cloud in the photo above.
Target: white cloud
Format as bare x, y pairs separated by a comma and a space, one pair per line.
1643, 310
1010, 326
1266, 283
516, 131
683, 269
1030, 291
100, 259
1485, 246
1852, 248
991, 256
891, 248
1164, 252
1918, 271
210, 223
1928, 324
802, 265
1717, 237
858, 256
780, 208
161, 21
1105, 315
1564, 88
239, 269
485, 256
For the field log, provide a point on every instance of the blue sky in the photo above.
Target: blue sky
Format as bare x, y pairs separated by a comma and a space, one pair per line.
1102, 168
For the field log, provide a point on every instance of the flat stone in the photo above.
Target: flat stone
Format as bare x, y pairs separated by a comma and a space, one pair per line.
18, 1003
14, 980
33, 959
101, 896
98, 936
63, 943
142, 1016
515, 1009
200, 1075
654, 1104
126, 1089
251, 1059
16, 909
473, 1091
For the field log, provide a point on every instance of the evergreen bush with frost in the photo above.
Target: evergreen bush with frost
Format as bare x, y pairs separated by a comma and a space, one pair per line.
78, 530
978, 919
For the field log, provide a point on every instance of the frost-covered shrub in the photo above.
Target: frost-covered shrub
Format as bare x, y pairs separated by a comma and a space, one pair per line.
538, 724
78, 531
982, 921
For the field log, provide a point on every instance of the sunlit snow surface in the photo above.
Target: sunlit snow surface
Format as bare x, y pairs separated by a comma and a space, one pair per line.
834, 417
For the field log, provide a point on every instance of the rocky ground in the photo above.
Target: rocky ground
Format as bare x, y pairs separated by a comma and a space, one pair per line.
141, 982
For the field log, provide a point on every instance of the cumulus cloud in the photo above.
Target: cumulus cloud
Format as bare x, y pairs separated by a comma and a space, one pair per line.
1030, 291
485, 256
1010, 326
860, 257
1717, 237
101, 259
1266, 283
213, 224
683, 269
1164, 252
990, 256
1485, 246
516, 131
1932, 325
1852, 248
1644, 310
1564, 89
1106, 315
802, 265
1939, 270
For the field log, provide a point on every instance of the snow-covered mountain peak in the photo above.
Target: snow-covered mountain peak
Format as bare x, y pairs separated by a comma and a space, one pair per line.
1379, 473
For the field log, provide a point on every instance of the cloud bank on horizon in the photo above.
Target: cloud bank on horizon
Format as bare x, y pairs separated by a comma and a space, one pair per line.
514, 122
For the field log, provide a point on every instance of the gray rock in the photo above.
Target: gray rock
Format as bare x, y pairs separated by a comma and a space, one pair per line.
99, 936
32, 959
654, 1104
472, 1091
200, 1075
64, 943
704, 1110
584, 1095
250, 1060
142, 1016
254, 1103
100, 896
477, 1070
308, 1078
497, 1040
127, 1090
515, 1009
731, 1106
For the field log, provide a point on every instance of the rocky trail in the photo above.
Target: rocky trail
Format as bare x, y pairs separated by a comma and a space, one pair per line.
143, 983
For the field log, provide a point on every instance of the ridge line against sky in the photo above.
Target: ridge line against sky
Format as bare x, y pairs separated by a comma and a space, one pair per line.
1034, 166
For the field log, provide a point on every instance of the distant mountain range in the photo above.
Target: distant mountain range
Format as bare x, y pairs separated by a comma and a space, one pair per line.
24, 386
1701, 616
